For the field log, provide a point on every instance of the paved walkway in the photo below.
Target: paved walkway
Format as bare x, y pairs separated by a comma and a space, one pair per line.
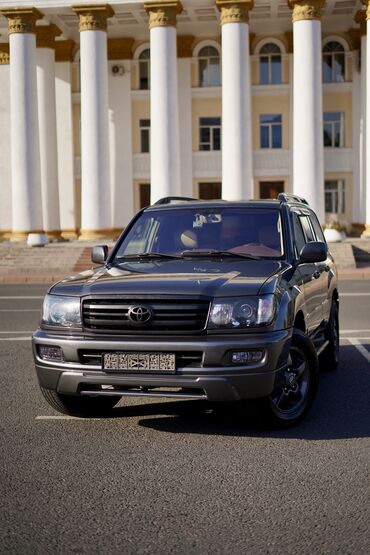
22, 264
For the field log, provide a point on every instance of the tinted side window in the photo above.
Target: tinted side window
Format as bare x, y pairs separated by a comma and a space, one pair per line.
299, 240
317, 227
307, 229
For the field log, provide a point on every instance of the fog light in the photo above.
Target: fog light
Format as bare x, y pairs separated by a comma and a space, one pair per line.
54, 354
247, 357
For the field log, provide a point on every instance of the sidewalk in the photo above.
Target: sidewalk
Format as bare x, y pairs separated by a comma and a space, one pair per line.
22, 264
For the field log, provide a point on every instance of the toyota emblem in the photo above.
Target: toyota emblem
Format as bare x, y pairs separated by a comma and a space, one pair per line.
139, 314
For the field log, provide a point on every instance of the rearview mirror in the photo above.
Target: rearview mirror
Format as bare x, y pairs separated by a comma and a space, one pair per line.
315, 251
99, 254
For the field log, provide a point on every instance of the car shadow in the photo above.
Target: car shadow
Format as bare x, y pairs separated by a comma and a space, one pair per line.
341, 410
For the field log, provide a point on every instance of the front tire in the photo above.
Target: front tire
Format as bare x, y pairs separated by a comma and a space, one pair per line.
85, 407
295, 387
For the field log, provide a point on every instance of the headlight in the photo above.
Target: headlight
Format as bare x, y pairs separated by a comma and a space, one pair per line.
241, 313
62, 311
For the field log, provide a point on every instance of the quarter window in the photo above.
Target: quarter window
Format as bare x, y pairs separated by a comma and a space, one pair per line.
145, 135
144, 70
270, 131
335, 197
209, 67
210, 134
270, 64
334, 129
333, 59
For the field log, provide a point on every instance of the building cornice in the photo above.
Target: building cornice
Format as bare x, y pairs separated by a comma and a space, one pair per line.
21, 20
45, 35
306, 9
120, 49
4, 54
185, 46
162, 13
64, 50
93, 17
234, 11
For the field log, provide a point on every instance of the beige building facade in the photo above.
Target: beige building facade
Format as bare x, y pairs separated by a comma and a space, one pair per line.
95, 129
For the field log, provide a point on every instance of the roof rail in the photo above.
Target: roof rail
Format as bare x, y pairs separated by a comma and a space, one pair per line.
284, 197
167, 200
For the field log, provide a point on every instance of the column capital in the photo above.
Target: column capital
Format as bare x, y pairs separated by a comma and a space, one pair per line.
21, 20
4, 54
162, 13
367, 11
45, 35
93, 17
234, 11
360, 18
306, 9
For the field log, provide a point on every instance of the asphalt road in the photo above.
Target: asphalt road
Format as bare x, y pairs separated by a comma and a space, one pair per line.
183, 477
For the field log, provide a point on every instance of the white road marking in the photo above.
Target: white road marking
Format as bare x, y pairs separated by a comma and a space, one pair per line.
354, 295
15, 338
359, 346
20, 310
354, 331
14, 331
66, 417
14, 297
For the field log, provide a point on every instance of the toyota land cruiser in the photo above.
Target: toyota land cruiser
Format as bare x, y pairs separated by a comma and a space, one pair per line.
215, 300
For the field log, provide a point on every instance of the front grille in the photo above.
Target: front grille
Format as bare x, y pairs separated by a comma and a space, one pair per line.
93, 357
168, 316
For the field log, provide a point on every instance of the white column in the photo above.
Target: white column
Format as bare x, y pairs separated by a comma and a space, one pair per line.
164, 114
308, 150
237, 148
25, 156
120, 143
45, 42
5, 153
63, 92
95, 187
185, 119
366, 233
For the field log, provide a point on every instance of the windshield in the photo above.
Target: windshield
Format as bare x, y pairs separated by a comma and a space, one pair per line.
249, 231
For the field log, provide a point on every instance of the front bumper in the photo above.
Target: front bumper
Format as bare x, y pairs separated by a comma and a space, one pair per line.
210, 379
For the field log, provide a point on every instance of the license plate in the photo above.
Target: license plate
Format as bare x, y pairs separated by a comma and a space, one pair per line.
139, 362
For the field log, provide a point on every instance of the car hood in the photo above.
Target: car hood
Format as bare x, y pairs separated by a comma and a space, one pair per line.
203, 277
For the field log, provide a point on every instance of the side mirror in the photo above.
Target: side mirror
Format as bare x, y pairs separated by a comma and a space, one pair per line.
99, 254
316, 251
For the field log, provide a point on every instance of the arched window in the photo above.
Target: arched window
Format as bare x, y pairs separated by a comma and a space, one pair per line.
209, 67
144, 70
270, 64
333, 66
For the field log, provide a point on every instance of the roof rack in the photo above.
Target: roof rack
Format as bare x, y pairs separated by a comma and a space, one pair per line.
284, 197
167, 200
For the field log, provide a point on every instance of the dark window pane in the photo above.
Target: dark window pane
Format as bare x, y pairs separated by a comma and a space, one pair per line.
144, 194
271, 189
208, 191
210, 121
327, 135
327, 69
203, 77
339, 67
276, 136
205, 135
276, 70
307, 228
145, 123
144, 135
265, 142
216, 139
298, 234
205, 147
328, 202
264, 70
214, 72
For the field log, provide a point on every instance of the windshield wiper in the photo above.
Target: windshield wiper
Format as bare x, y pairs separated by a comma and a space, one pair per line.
146, 255
213, 252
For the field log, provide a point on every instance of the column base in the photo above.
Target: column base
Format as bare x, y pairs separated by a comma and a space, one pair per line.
54, 235
96, 234
17, 236
5, 234
366, 233
69, 234
357, 228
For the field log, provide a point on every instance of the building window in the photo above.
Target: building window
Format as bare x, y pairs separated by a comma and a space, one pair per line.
209, 191
270, 64
334, 129
210, 134
144, 70
335, 197
271, 189
209, 67
144, 194
333, 63
270, 131
144, 135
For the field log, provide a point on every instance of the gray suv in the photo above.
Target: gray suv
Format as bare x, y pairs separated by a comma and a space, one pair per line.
215, 300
